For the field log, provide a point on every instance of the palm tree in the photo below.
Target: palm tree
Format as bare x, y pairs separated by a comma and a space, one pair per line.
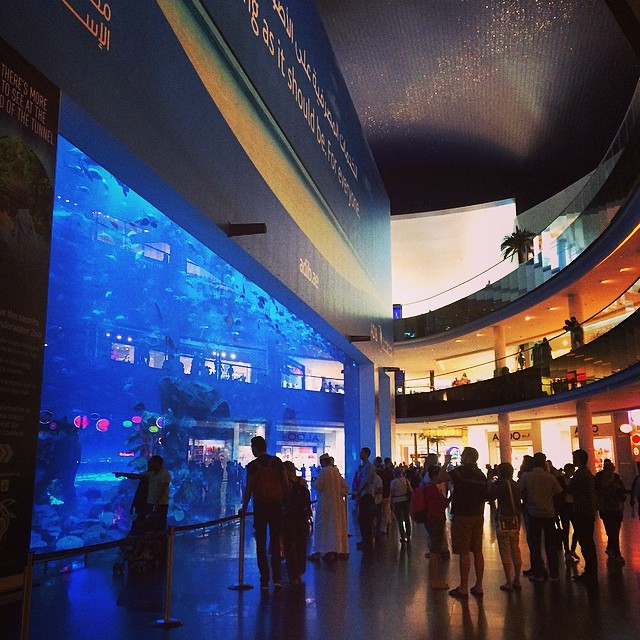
519, 243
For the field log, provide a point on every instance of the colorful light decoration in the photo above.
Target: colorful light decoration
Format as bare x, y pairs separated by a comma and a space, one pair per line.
154, 429
102, 425
81, 422
136, 419
625, 428
46, 416
160, 422
127, 424
53, 426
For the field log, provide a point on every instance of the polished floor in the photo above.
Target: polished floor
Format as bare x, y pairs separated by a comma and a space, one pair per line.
380, 594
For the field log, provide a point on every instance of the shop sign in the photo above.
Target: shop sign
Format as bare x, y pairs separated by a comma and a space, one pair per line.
291, 437
594, 428
515, 435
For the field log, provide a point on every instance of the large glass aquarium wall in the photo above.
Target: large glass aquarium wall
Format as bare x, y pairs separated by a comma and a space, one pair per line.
155, 345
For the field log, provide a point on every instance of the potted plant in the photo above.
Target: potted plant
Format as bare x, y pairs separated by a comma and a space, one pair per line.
519, 243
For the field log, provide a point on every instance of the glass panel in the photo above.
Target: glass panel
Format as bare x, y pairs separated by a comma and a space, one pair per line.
155, 345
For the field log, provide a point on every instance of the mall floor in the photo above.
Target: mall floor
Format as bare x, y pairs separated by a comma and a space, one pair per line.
379, 594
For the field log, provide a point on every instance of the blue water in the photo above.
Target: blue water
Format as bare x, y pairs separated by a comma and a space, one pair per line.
155, 345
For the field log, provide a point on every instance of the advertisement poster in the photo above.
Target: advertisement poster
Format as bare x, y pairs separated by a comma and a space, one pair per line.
29, 106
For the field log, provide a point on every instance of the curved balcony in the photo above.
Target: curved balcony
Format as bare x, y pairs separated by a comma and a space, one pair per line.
611, 353
578, 226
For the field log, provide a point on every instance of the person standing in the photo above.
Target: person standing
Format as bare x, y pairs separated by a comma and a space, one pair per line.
400, 492
582, 488
467, 509
330, 538
297, 514
435, 523
157, 479
611, 494
506, 493
541, 488
267, 484
363, 492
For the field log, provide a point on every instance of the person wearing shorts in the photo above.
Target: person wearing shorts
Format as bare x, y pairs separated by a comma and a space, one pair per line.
467, 509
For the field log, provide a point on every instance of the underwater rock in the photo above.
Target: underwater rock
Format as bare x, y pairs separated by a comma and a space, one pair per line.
107, 518
36, 541
94, 534
69, 542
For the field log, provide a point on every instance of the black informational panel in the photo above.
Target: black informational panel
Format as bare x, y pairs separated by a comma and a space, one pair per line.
29, 106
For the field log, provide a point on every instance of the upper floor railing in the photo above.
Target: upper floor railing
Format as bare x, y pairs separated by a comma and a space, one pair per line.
579, 225
607, 354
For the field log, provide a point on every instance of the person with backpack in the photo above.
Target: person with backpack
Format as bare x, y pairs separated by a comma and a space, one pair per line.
267, 484
297, 516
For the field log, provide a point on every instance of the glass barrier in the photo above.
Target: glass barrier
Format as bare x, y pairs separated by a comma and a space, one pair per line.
156, 345
605, 344
579, 225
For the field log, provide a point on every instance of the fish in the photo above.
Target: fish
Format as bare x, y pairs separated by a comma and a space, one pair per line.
93, 174
123, 186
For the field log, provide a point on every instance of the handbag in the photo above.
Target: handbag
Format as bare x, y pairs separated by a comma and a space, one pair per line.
509, 523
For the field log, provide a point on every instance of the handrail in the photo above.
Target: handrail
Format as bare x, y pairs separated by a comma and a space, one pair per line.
594, 317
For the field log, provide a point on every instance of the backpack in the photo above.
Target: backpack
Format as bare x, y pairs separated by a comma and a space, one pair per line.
418, 505
267, 482
298, 501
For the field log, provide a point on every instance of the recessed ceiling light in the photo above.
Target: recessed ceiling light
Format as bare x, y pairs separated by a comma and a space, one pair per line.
552, 308
527, 318
606, 281
458, 340
479, 335
626, 269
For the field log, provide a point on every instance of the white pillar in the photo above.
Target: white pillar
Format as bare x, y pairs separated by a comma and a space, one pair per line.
499, 347
504, 436
585, 430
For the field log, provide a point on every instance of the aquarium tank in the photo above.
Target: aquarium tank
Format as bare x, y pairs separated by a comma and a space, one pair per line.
155, 345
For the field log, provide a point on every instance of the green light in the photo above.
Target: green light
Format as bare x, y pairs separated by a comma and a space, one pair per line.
127, 423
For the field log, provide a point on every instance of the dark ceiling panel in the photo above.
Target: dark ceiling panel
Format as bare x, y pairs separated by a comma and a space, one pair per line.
465, 101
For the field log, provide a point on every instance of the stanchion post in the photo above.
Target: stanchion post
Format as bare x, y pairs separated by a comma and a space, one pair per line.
26, 597
241, 586
168, 621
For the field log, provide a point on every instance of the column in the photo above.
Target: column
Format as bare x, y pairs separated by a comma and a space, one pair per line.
536, 436
625, 465
499, 347
359, 413
504, 436
385, 414
574, 303
585, 430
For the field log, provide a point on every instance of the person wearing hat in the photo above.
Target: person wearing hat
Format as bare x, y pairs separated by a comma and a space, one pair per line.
330, 528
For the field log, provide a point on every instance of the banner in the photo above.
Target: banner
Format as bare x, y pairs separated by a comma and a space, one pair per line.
29, 106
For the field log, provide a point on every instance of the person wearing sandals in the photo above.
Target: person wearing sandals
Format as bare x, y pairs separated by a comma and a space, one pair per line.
467, 509
508, 517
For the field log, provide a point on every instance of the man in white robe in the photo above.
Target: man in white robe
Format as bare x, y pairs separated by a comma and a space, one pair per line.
330, 527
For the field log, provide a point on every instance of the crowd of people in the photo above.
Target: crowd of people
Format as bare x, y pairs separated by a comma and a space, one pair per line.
556, 508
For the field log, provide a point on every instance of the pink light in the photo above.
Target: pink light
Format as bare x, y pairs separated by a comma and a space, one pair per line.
102, 425
136, 419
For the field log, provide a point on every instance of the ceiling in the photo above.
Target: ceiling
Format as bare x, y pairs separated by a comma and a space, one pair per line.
464, 102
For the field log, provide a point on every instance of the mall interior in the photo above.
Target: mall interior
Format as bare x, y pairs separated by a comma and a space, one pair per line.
221, 220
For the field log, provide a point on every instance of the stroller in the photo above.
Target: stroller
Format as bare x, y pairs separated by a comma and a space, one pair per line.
144, 548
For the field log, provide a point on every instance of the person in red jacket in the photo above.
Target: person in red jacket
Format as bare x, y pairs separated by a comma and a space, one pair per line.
435, 523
